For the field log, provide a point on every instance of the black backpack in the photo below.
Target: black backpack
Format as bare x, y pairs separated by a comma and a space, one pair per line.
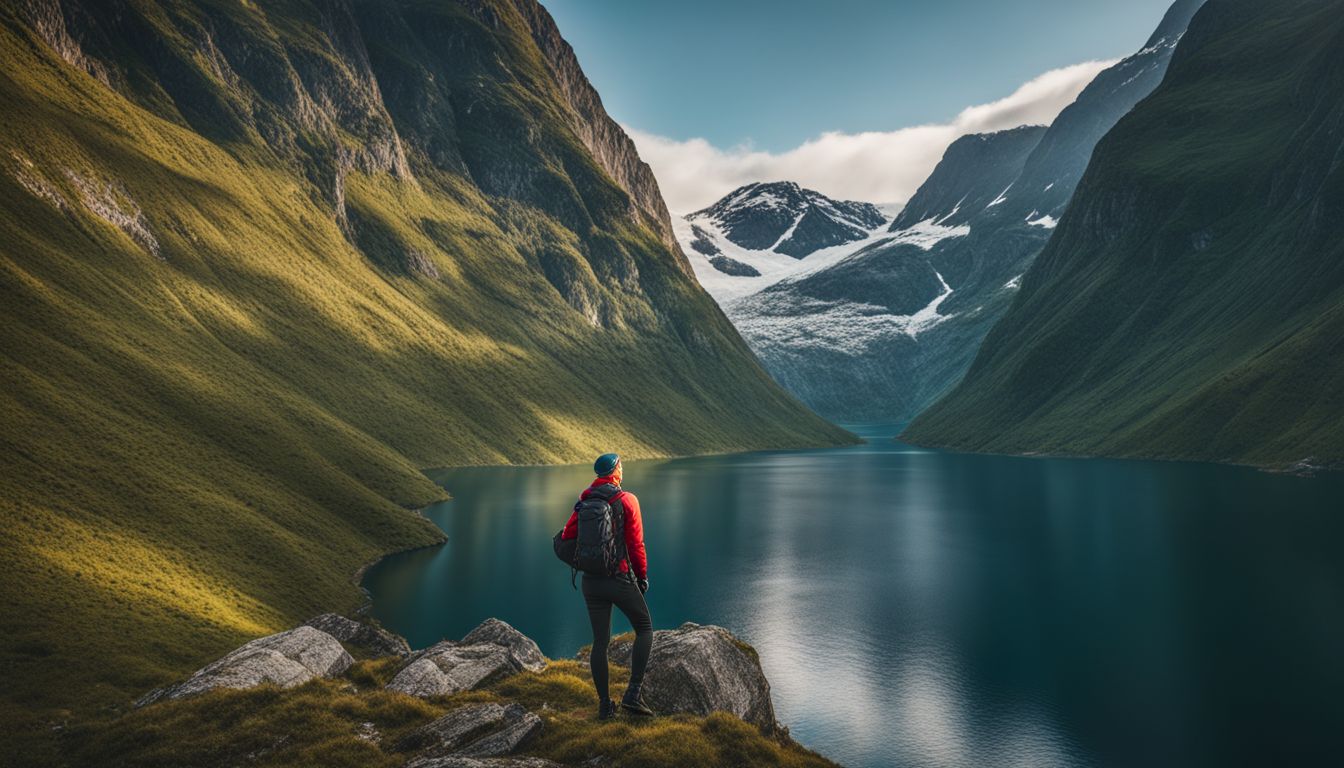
599, 547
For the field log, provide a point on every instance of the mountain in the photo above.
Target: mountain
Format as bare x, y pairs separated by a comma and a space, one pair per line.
761, 233
882, 331
850, 339
1051, 174
975, 173
785, 218
261, 262
1191, 303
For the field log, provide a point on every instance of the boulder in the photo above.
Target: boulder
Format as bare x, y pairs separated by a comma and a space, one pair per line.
618, 650
521, 726
447, 668
285, 659
376, 640
702, 669
490, 762
522, 648
489, 651
455, 729
472, 731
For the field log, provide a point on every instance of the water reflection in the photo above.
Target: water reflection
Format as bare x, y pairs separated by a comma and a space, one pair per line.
933, 609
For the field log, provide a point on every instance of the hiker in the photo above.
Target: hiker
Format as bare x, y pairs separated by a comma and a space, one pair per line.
615, 572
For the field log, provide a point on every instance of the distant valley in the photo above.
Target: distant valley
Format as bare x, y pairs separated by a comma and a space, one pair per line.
877, 323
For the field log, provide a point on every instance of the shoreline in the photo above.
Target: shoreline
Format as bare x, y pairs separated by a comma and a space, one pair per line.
358, 577
1300, 468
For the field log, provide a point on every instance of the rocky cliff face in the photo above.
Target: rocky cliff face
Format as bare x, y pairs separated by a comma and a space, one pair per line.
1189, 305
603, 137
974, 175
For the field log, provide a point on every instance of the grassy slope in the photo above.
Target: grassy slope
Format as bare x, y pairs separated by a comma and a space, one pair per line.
1191, 303
319, 724
203, 448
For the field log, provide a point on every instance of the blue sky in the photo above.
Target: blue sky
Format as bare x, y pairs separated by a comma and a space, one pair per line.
856, 99
777, 73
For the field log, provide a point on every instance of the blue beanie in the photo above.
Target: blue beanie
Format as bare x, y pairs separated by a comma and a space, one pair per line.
606, 464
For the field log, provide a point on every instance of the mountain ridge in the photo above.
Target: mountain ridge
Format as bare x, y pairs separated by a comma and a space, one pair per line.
1189, 305
861, 338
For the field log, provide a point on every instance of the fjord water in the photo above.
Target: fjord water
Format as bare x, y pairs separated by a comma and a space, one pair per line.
921, 608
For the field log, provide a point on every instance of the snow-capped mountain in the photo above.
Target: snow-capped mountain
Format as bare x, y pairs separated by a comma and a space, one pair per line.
759, 234
785, 218
879, 328
874, 334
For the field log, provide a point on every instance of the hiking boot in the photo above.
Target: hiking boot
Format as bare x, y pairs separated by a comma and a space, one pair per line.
606, 709
635, 705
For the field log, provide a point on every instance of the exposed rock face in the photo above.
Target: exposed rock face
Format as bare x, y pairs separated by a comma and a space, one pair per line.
47, 17
286, 659
733, 267
702, 669
492, 762
520, 725
489, 651
522, 649
448, 668
611, 148
377, 641
975, 171
476, 730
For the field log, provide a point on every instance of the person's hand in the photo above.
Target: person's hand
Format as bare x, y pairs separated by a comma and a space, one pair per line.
643, 585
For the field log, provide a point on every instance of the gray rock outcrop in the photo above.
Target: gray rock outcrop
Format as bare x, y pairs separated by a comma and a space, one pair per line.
492, 762
520, 725
522, 649
376, 640
285, 659
702, 669
447, 668
472, 731
490, 651
475, 730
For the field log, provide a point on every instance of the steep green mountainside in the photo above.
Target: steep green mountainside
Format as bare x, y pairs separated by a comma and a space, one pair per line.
262, 261
1191, 303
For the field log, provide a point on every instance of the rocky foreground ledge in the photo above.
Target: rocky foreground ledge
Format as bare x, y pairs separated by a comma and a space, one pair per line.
693, 671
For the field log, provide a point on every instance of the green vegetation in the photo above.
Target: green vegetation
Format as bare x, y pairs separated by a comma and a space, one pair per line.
1191, 303
245, 297
322, 723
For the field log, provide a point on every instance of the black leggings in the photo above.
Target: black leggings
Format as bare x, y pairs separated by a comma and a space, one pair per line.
600, 593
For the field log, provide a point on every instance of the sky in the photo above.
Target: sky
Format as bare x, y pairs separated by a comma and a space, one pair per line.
855, 98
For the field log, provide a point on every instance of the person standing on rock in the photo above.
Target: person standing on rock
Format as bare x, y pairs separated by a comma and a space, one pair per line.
610, 551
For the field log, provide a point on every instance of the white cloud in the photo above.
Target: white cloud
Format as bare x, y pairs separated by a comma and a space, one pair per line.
876, 166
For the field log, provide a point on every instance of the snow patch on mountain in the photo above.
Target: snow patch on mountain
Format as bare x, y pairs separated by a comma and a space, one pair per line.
1002, 196
849, 327
927, 234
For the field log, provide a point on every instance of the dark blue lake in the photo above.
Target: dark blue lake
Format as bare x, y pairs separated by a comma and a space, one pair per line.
922, 608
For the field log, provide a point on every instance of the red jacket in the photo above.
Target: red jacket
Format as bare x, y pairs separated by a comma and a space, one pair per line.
634, 528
